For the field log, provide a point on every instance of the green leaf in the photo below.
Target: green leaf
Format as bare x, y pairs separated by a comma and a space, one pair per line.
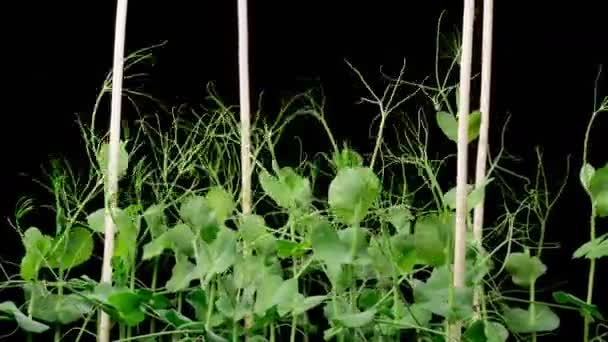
288, 189
355, 237
23, 320
352, 193
346, 158
52, 308
586, 174
591, 310
200, 216
128, 306
285, 296
448, 125
175, 319
96, 220
518, 320
183, 273
155, 219
593, 249
249, 271
217, 257
121, 219
431, 235
307, 303
368, 298
433, 295
198, 300
37, 246
356, 320
266, 293
220, 202
414, 316
287, 248
328, 247
474, 125
74, 248
123, 159
598, 188
524, 269
403, 250
256, 235
475, 195
180, 239
486, 331
381, 257
126, 240
401, 218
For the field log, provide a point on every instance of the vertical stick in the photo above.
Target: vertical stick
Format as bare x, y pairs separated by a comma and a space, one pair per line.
461, 172
113, 156
246, 169
483, 146
245, 107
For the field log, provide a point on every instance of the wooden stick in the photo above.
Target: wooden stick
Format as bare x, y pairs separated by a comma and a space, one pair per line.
483, 145
461, 172
111, 182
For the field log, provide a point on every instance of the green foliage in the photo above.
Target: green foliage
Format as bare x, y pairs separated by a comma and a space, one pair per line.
449, 125
369, 260
524, 269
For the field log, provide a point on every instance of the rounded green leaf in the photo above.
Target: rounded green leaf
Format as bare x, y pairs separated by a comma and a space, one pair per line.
72, 249
598, 188
524, 269
196, 213
182, 274
37, 246
22, 319
327, 246
448, 125
356, 320
518, 320
155, 219
287, 188
352, 193
220, 202
585, 175
256, 235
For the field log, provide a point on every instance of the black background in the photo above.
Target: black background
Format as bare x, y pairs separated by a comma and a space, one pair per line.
546, 58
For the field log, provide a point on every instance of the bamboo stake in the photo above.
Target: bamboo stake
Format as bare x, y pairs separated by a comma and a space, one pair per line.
483, 145
244, 93
111, 181
245, 107
461, 172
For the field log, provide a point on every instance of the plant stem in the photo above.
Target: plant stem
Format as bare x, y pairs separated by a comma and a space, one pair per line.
590, 280
153, 288
532, 308
210, 304
57, 336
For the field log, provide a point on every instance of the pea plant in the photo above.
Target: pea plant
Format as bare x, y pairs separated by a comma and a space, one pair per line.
369, 256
